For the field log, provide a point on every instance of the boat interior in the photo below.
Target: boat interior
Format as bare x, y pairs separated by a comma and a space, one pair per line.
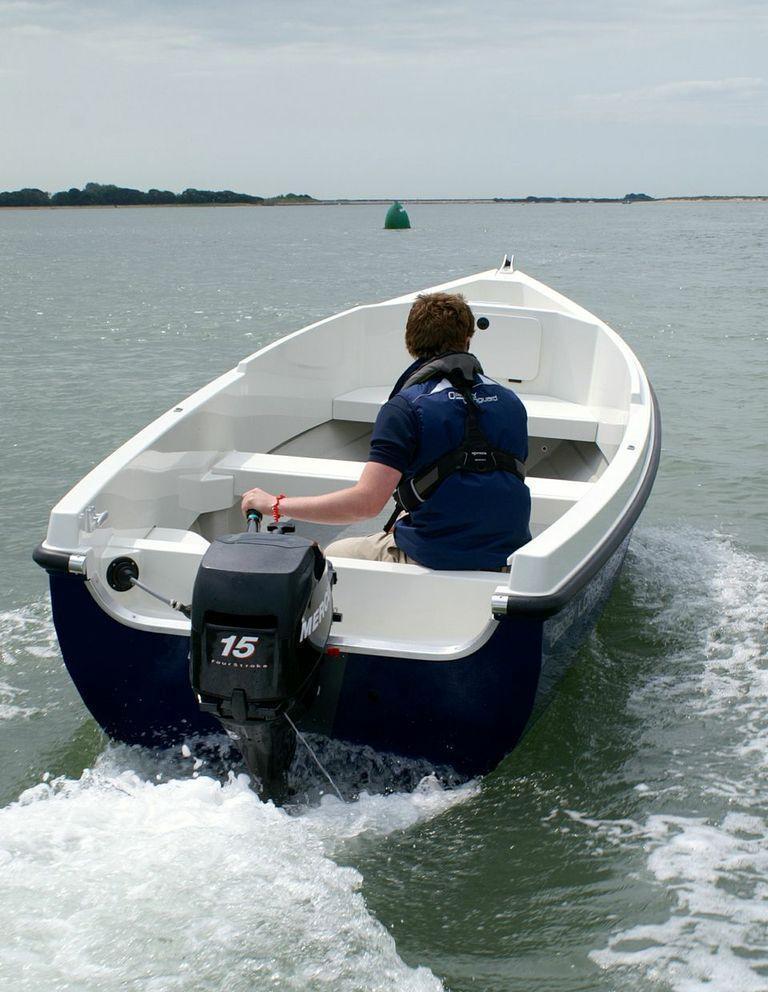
559, 472
297, 416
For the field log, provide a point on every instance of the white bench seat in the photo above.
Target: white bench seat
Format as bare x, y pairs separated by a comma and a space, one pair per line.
547, 416
275, 473
313, 476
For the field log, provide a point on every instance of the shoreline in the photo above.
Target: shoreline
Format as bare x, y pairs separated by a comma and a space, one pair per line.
420, 201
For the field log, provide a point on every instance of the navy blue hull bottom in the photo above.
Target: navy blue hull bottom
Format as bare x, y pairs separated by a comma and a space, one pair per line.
467, 713
135, 683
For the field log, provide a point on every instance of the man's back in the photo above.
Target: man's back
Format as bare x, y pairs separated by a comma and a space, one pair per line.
473, 520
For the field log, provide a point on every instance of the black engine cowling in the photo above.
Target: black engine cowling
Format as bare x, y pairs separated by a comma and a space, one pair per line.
261, 614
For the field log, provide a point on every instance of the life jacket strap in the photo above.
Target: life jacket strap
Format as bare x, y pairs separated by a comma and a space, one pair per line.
474, 454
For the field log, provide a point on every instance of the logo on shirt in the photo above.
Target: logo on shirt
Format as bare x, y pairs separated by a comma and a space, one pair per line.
478, 399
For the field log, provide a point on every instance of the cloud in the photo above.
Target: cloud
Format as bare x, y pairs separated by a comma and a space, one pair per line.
350, 28
739, 86
734, 99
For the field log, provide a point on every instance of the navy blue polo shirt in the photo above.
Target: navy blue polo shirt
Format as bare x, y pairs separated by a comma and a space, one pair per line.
472, 521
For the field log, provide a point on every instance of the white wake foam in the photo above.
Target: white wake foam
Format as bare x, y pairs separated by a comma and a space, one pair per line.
710, 605
118, 881
28, 645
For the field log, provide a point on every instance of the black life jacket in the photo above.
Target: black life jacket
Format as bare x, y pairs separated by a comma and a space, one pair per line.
474, 454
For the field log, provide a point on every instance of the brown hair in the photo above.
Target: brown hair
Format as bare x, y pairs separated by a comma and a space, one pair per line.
438, 322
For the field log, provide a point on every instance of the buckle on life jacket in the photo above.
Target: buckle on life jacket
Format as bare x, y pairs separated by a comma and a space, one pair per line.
479, 460
475, 454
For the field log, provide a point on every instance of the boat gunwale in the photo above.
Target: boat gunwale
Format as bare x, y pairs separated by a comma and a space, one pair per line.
506, 602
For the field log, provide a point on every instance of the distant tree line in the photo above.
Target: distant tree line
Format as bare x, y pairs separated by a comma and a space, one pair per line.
98, 195
627, 198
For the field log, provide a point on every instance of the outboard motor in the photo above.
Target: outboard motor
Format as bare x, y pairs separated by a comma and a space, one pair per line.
261, 614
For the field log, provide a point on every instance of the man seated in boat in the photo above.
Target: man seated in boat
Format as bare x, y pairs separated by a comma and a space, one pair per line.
450, 443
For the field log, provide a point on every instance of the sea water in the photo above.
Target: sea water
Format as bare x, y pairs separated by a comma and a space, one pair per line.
623, 845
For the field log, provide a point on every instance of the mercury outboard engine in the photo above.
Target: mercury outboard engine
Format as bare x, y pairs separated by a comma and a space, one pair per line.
261, 614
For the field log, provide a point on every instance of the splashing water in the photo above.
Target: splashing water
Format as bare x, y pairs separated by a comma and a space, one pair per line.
115, 881
709, 602
313, 754
26, 633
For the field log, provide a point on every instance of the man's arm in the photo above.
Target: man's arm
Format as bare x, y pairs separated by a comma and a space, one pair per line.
367, 498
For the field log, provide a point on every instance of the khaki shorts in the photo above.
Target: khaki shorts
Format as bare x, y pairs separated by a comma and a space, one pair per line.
377, 547
374, 547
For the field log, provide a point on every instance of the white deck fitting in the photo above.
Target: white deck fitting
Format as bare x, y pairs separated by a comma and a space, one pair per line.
547, 416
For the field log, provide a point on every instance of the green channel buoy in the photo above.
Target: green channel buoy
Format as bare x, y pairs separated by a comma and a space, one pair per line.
397, 218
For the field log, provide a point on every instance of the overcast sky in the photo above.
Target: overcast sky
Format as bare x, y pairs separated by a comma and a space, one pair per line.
393, 98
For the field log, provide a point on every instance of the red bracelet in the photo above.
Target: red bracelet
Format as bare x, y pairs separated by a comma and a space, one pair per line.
276, 507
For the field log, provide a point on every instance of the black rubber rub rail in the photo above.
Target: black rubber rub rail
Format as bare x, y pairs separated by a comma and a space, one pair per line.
58, 561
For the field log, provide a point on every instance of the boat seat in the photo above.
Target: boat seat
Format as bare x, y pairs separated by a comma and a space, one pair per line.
547, 416
314, 476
